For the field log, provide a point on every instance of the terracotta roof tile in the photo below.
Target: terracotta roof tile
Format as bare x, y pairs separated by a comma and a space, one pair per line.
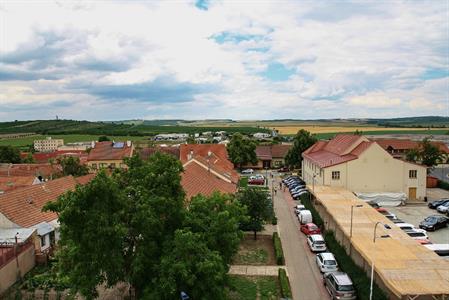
280, 151
198, 180
107, 151
44, 170
9, 183
406, 144
145, 153
24, 206
264, 152
43, 157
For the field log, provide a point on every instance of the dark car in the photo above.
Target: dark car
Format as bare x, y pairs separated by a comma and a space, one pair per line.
434, 222
435, 204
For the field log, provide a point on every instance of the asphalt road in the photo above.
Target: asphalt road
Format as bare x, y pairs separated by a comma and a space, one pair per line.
305, 278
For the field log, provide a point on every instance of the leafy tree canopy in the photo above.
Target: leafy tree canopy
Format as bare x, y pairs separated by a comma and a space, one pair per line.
242, 150
258, 208
302, 140
103, 138
9, 154
72, 166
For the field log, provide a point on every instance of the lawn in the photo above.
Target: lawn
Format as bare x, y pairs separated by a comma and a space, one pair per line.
243, 182
68, 138
253, 287
255, 252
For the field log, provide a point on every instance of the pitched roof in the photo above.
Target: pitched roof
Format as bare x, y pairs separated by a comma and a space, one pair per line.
263, 152
110, 151
280, 150
44, 170
340, 149
24, 206
43, 157
9, 183
145, 153
406, 144
198, 180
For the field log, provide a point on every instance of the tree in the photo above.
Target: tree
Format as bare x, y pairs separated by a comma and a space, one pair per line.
103, 138
412, 155
72, 166
242, 150
190, 140
29, 159
217, 219
9, 154
429, 153
134, 227
301, 142
258, 209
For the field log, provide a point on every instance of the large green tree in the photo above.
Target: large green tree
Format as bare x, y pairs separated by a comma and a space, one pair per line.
241, 150
9, 154
258, 209
429, 153
72, 166
302, 140
134, 227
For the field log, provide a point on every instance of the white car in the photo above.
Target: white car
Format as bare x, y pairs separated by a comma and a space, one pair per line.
259, 176
326, 262
248, 171
298, 208
405, 226
443, 208
417, 234
316, 243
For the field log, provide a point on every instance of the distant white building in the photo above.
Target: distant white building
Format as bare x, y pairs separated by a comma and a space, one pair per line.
171, 136
261, 135
48, 145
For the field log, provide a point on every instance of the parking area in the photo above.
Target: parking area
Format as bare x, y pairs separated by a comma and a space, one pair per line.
436, 194
415, 214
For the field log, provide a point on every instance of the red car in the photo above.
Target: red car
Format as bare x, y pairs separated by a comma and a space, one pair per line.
310, 228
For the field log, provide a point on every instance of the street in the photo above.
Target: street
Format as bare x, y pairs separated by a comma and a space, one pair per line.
305, 278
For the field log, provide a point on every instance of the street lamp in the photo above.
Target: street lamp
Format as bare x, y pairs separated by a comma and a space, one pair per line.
350, 228
386, 226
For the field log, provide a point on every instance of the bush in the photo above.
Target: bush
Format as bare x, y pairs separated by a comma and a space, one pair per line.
285, 285
358, 276
274, 220
443, 185
279, 254
305, 200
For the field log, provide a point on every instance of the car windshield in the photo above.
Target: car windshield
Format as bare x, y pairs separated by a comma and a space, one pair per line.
313, 227
330, 262
319, 242
345, 288
430, 219
416, 234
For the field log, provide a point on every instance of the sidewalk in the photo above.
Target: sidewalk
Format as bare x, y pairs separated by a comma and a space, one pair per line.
255, 270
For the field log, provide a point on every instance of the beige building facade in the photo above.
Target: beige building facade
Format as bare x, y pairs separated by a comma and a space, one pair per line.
363, 166
48, 145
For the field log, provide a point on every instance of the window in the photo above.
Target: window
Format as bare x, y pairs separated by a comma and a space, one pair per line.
412, 173
43, 242
94, 166
335, 175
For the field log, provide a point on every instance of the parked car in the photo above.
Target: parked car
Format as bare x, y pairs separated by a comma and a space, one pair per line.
377, 207
339, 286
298, 195
305, 216
443, 208
435, 204
424, 242
417, 234
283, 169
316, 243
256, 180
396, 221
309, 229
434, 222
248, 171
299, 207
405, 226
389, 215
326, 262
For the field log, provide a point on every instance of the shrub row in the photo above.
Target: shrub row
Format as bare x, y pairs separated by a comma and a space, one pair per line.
443, 185
358, 276
305, 200
278, 249
285, 285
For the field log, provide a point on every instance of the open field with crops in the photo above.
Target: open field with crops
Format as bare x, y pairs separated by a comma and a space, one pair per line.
365, 129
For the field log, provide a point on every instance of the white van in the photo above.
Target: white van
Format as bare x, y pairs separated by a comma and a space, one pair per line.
305, 216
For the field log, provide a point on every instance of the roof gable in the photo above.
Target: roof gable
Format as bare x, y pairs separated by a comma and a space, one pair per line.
110, 151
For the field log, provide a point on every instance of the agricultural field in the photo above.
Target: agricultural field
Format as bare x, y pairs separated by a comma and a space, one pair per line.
289, 130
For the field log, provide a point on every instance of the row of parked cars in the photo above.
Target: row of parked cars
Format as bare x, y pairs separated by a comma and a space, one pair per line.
338, 284
441, 206
296, 186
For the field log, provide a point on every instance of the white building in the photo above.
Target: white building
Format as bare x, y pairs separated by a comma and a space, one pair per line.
261, 135
48, 145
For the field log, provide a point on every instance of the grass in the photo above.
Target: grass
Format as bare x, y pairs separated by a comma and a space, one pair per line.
251, 257
243, 182
329, 135
248, 288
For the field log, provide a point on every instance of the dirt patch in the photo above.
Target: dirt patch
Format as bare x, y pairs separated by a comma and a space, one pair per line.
255, 252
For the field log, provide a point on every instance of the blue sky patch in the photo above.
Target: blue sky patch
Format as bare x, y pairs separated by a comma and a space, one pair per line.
277, 72
434, 74
235, 38
202, 4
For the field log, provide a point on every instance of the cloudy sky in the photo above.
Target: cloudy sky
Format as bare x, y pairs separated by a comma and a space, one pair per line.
114, 60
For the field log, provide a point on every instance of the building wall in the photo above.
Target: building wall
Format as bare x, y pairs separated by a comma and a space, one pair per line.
5, 222
95, 164
277, 162
8, 273
374, 171
48, 145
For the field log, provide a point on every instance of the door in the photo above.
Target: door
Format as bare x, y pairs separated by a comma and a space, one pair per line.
412, 193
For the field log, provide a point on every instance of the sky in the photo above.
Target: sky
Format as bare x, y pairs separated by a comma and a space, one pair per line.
243, 60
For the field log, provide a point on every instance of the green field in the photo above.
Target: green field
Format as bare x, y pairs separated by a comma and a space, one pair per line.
329, 135
68, 138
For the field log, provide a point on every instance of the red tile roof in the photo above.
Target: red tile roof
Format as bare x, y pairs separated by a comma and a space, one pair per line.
337, 150
44, 170
406, 144
24, 206
107, 151
145, 153
198, 180
43, 157
264, 152
9, 183
280, 151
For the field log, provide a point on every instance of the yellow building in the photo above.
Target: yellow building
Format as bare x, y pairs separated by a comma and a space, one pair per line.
48, 145
109, 154
362, 166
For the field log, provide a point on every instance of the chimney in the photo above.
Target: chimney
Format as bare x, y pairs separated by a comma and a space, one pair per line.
190, 155
209, 153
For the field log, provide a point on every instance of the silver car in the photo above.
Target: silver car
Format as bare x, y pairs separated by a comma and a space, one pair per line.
339, 286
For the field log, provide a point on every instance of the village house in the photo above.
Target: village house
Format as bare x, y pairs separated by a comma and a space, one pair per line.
361, 165
270, 156
48, 144
109, 154
42, 171
399, 148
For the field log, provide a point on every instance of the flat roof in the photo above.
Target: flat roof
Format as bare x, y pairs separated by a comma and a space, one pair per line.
405, 266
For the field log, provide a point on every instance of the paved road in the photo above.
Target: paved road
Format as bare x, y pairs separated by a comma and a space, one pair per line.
305, 278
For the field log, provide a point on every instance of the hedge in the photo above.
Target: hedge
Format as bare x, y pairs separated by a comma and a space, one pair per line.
278, 253
285, 285
358, 276
305, 200
443, 185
